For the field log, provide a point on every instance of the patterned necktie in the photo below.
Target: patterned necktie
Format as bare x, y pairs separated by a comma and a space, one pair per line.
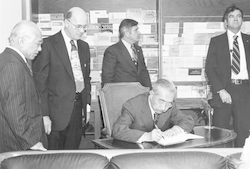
134, 55
236, 56
156, 116
29, 68
76, 67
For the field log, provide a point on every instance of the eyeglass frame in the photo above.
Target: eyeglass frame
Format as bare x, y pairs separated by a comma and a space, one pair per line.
79, 27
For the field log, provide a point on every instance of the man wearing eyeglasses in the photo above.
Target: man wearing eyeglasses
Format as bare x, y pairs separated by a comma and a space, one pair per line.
152, 115
61, 72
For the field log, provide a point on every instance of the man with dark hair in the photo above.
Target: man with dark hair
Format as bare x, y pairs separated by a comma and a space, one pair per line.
124, 61
61, 73
152, 115
228, 69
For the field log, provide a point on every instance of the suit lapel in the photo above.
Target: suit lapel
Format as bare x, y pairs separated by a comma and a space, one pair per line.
146, 114
81, 52
246, 43
225, 47
20, 59
62, 52
126, 55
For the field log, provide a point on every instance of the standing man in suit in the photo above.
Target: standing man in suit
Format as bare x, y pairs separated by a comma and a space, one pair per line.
228, 69
21, 120
61, 72
150, 116
124, 61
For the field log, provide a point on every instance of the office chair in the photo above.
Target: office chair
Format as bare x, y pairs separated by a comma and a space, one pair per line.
112, 96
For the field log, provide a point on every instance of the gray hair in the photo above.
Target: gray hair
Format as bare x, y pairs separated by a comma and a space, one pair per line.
22, 29
164, 83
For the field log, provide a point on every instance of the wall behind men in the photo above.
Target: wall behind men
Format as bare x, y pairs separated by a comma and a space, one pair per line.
10, 14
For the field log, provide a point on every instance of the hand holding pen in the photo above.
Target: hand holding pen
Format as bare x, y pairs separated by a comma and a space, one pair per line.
159, 131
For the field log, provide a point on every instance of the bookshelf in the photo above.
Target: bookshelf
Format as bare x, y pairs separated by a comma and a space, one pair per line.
185, 30
104, 19
158, 58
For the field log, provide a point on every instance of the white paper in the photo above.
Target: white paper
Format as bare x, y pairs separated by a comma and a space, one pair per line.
179, 139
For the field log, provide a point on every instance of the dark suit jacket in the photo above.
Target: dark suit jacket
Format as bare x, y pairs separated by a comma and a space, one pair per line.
136, 119
218, 64
55, 80
118, 66
21, 120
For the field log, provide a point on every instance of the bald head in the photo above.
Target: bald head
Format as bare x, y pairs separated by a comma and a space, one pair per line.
75, 11
75, 23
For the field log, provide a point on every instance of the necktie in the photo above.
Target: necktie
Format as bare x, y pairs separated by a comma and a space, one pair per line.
76, 67
134, 55
29, 68
156, 116
236, 56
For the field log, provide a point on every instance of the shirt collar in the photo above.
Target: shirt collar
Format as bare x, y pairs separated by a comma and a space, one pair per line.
65, 36
230, 34
20, 53
151, 108
128, 45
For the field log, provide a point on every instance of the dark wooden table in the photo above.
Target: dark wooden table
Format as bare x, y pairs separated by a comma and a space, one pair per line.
213, 137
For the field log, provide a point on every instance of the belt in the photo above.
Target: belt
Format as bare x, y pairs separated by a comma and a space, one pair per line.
239, 81
78, 96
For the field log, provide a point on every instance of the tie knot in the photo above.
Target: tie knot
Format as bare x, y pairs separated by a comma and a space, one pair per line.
133, 48
73, 46
156, 115
72, 42
235, 37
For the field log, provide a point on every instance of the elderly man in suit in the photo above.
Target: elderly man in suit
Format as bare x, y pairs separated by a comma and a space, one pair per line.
61, 73
21, 120
228, 69
151, 116
124, 61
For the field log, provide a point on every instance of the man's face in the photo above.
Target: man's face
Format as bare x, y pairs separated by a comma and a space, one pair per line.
234, 21
134, 34
32, 45
161, 101
76, 27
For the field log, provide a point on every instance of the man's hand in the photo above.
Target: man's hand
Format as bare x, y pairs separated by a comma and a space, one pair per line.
156, 135
87, 114
38, 146
175, 130
47, 124
225, 96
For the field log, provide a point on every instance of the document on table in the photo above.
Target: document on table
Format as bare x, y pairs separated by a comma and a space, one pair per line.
178, 139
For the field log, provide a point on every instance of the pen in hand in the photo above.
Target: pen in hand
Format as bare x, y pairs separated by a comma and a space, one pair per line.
159, 129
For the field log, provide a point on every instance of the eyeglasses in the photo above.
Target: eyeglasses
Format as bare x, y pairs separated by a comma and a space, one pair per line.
168, 104
79, 27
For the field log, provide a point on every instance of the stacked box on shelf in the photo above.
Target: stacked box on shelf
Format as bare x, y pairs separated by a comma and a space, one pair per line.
185, 47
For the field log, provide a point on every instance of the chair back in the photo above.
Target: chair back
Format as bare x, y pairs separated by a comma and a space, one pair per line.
112, 96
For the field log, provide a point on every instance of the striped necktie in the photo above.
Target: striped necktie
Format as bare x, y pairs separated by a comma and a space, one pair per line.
29, 68
134, 55
236, 56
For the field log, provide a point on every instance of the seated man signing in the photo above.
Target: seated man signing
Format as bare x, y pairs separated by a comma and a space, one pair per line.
149, 116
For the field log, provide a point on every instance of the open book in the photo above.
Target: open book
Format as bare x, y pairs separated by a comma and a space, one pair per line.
180, 138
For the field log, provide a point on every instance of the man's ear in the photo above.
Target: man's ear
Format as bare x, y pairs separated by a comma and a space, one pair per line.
151, 92
225, 23
66, 24
126, 32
